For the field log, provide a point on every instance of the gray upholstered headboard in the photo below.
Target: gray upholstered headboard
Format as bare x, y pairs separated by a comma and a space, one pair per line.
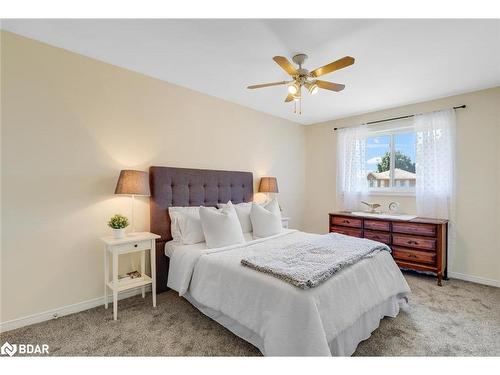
189, 187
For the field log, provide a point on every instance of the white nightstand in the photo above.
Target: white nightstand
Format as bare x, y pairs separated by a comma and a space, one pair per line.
132, 243
284, 221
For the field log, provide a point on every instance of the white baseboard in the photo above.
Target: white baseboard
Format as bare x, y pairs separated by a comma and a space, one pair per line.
66, 310
474, 279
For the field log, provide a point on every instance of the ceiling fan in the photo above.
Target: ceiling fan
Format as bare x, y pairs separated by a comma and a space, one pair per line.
304, 78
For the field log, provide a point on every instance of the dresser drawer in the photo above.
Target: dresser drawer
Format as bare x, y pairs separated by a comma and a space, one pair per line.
413, 255
378, 225
414, 228
345, 221
413, 241
346, 231
378, 236
133, 246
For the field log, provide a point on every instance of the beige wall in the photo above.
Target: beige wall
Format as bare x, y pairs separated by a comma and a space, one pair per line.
69, 124
477, 251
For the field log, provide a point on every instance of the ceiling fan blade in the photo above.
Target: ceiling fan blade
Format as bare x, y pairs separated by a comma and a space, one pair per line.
330, 85
289, 98
285, 65
333, 66
268, 84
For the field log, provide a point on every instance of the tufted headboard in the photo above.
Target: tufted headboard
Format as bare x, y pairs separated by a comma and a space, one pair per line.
189, 187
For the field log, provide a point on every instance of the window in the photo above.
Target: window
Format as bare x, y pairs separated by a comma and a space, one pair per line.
382, 160
390, 162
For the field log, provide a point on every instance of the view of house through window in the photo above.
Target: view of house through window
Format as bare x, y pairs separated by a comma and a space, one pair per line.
390, 161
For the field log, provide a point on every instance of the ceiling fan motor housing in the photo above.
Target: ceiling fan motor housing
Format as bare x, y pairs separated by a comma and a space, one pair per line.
299, 59
303, 72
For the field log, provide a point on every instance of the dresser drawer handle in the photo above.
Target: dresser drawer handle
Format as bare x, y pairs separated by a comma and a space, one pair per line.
345, 221
135, 245
411, 242
412, 256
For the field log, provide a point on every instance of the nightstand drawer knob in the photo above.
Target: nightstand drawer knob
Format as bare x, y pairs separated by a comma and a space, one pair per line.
135, 245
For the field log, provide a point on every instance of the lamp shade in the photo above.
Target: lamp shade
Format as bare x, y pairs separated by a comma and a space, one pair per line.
268, 185
133, 183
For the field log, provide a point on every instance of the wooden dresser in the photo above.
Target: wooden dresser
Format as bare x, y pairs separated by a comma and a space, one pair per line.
419, 244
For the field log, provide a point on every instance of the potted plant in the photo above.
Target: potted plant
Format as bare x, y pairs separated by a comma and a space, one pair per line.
118, 223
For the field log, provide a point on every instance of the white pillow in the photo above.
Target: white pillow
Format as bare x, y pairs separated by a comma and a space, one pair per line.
266, 220
174, 213
186, 224
221, 227
243, 212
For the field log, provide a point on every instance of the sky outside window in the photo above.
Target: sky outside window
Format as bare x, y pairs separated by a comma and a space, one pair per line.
376, 148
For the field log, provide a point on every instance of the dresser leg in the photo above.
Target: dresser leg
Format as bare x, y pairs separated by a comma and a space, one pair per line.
439, 277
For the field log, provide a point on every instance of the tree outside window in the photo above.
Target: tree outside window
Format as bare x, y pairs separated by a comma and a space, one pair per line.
383, 174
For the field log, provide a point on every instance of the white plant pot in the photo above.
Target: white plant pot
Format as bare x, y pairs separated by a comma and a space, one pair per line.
119, 233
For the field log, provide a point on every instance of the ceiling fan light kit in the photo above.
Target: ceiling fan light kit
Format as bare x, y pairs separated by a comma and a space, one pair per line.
303, 77
293, 88
312, 87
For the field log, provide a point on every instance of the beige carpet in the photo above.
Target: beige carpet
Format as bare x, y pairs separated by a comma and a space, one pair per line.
458, 319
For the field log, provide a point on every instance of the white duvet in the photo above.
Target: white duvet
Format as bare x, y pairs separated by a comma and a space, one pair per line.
288, 320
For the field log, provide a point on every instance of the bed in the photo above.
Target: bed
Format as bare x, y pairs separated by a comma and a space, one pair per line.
276, 317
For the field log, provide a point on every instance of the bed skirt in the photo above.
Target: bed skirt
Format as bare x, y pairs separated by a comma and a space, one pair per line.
344, 344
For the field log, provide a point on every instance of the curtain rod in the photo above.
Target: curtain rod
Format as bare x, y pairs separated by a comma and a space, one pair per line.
399, 118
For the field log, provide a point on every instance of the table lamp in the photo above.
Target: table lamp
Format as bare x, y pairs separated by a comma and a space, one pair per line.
268, 185
133, 183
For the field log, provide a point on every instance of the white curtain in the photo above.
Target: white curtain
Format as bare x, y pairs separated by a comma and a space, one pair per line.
435, 163
352, 183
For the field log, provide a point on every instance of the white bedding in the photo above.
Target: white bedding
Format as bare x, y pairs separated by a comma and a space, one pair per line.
173, 245
287, 320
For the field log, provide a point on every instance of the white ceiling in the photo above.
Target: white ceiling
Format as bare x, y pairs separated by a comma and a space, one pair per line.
397, 61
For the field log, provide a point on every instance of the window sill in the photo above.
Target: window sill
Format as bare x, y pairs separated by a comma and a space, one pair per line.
392, 193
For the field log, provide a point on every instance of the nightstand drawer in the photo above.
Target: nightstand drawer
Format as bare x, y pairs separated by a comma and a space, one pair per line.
133, 246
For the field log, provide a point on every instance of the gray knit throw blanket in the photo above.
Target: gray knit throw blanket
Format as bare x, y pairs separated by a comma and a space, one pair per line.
308, 263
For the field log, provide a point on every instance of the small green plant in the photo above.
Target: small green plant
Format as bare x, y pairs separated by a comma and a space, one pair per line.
118, 222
